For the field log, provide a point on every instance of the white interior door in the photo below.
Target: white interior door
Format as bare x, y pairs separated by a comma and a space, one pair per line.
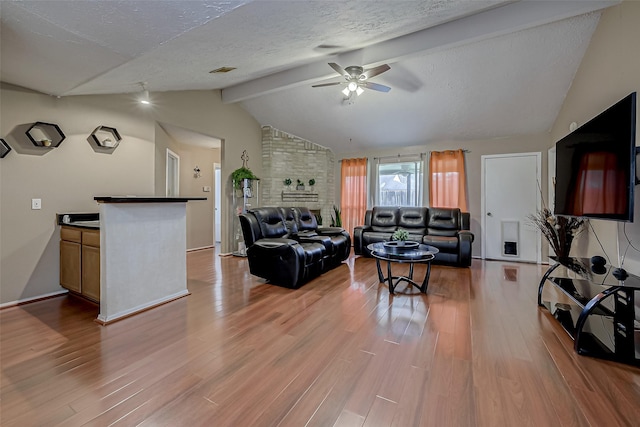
510, 193
173, 174
217, 188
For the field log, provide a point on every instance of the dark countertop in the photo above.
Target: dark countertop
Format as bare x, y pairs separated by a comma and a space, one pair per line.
92, 225
81, 220
144, 199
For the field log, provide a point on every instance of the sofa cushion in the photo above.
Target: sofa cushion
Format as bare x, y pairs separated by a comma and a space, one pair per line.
443, 243
375, 237
289, 220
384, 219
413, 219
271, 222
306, 219
443, 222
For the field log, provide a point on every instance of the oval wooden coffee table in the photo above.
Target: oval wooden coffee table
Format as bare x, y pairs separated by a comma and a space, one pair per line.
421, 254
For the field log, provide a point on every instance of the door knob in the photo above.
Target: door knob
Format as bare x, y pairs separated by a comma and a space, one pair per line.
489, 214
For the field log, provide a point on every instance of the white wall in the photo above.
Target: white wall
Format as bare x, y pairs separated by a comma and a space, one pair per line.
609, 71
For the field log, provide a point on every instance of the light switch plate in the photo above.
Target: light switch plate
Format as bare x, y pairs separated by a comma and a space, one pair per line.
36, 204
206, 189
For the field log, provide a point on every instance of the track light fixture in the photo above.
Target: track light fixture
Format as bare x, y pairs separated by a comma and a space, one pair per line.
144, 97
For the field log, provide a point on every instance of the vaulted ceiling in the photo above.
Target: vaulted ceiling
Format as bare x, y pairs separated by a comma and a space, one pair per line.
460, 69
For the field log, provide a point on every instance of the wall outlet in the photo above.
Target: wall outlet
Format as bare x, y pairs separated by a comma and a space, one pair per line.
206, 189
36, 204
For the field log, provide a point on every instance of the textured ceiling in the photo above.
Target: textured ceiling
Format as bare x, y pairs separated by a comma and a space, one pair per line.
460, 69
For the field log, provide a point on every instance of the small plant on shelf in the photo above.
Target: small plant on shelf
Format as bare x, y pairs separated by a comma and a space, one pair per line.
312, 182
300, 185
287, 181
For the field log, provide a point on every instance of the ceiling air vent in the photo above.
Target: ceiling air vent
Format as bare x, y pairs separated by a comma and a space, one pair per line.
222, 70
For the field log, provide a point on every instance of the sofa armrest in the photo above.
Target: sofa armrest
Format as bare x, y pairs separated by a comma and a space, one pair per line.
466, 234
358, 239
330, 231
279, 260
465, 239
275, 242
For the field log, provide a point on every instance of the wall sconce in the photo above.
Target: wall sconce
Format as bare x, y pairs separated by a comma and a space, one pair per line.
196, 172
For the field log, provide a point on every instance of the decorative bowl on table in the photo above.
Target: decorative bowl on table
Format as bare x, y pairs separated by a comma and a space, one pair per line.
399, 246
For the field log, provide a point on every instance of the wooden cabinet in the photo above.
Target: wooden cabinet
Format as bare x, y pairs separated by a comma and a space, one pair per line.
80, 261
70, 265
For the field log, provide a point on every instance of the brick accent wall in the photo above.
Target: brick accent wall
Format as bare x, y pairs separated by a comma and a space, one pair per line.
287, 156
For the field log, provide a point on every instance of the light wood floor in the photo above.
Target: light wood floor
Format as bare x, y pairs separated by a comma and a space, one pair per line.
340, 351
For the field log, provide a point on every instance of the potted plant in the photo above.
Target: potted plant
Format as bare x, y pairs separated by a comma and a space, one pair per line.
399, 242
300, 185
287, 183
312, 182
558, 230
239, 175
336, 218
400, 235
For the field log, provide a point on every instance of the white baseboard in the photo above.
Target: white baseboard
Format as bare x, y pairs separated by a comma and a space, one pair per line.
104, 320
200, 248
32, 299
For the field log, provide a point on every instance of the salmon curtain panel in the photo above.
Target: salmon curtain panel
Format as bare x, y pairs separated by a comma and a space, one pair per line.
447, 180
353, 193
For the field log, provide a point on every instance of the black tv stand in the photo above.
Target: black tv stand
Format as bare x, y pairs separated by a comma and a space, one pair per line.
597, 310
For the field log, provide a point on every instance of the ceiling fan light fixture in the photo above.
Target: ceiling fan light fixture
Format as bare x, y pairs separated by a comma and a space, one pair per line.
346, 91
352, 86
359, 91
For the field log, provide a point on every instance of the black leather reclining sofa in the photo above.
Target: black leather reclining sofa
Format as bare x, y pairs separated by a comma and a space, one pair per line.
446, 229
286, 247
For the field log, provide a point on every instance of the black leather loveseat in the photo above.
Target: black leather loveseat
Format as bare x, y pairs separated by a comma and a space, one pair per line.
446, 229
286, 247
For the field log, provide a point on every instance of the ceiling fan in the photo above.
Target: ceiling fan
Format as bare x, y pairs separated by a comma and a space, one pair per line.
357, 78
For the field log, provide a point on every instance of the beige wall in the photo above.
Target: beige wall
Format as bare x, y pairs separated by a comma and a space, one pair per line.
65, 178
477, 148
609, 71
199, 213
68, 177
203, 112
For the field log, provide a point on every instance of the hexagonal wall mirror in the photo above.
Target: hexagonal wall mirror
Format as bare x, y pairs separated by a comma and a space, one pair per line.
46, 135
106, 136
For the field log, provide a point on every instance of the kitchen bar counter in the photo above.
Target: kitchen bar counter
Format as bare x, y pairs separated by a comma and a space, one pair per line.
145, 199
143, 246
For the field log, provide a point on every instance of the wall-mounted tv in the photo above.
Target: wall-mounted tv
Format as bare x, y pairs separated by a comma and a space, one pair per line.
596, 166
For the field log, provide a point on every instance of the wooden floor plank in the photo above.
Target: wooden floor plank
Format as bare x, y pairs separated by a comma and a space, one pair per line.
474, 351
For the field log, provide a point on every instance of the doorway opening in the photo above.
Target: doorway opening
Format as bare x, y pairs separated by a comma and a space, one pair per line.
173, 174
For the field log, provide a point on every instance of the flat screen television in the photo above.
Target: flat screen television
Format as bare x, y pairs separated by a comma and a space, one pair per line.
596, 166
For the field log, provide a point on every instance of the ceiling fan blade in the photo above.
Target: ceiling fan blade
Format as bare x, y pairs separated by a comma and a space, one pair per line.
327, 84
376, 86
374, 71
339, 69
